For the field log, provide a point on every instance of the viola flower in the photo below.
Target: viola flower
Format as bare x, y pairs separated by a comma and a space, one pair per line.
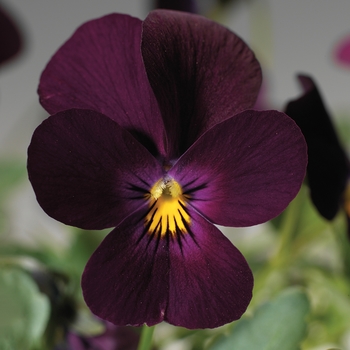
150, 133
328, 169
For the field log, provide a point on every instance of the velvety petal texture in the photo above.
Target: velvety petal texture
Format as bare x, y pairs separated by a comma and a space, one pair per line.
210, 281
245, 170
100, 68
199, 280
87, 171
10, 38
327, 169
200, 72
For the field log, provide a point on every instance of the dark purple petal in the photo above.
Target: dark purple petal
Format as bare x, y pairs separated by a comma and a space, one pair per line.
200, 72
210, 281
10, 38
327, 169
178, 5
196, 280
100, 68
87, 171
245, 170
126, 279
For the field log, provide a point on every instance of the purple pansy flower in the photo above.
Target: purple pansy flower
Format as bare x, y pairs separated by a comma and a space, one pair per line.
328, 168
150, 134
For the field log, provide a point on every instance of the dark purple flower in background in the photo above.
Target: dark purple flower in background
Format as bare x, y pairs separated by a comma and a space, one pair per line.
10, 38
113, 338
150, 134
178, 5
328, 169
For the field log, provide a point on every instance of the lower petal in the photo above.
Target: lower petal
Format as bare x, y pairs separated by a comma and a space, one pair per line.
126, 279
210, 281
193, 279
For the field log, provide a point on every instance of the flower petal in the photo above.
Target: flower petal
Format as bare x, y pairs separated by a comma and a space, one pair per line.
327, 169
200, 72
87, 171
198, 280
245, 170
210, 281
100, 68
126, 279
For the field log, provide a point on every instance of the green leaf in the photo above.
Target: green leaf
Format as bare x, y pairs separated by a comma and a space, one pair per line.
24, 311
279, 324
12, 171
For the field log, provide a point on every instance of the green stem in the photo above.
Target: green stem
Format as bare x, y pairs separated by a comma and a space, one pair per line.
289, 229
287, 232
146, 338
341, 234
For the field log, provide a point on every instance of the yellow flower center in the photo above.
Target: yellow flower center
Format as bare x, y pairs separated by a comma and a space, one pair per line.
168, 213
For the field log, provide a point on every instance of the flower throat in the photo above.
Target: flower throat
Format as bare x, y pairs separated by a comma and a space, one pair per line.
168, 213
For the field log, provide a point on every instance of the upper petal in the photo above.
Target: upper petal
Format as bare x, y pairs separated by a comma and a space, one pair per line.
100, 68
87, 171
328, 168
195, 280
200, 72
245, 170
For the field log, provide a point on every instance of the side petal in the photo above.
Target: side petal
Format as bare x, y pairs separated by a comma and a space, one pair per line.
200, 72
100, 68
87, 171
126, 279
198, 280
245, 170
210, 281
328, 169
